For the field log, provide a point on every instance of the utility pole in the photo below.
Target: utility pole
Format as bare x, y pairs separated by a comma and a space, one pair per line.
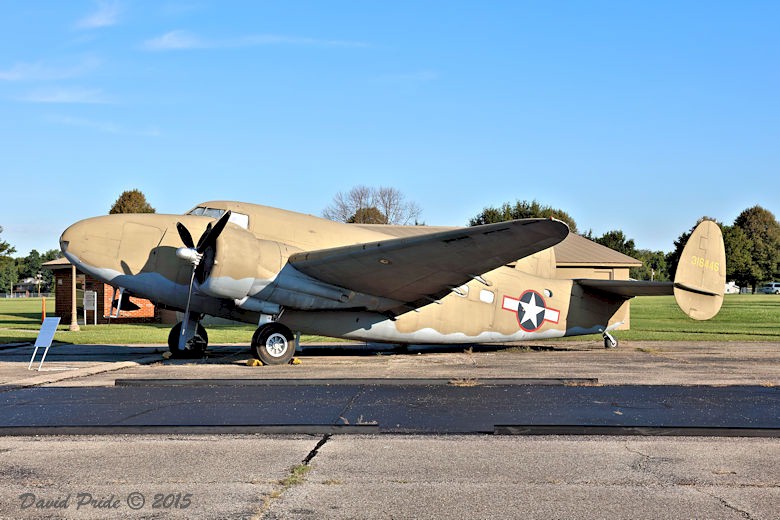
74, 318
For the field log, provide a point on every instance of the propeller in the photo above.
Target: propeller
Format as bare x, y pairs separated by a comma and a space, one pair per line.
196, 254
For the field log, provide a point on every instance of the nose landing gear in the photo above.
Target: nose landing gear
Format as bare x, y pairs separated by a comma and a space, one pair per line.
192, 347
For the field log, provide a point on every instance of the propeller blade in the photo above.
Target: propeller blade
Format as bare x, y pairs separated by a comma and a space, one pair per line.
203, 237
185, 235
210, 236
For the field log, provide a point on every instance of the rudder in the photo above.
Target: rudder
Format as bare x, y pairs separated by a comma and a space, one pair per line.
701, 273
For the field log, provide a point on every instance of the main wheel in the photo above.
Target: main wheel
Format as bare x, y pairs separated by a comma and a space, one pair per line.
196, 347
273, 344
610, 343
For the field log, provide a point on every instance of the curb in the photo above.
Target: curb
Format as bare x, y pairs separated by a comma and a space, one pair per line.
81, 372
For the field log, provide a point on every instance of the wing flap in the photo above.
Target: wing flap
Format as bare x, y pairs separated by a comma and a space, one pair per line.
423, 267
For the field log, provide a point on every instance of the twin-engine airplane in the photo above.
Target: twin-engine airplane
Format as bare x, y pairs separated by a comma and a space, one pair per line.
286, 272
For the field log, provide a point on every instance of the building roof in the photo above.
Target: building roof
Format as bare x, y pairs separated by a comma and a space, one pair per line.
576, 250
59, 263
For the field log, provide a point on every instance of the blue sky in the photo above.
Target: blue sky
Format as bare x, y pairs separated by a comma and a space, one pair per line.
634, 116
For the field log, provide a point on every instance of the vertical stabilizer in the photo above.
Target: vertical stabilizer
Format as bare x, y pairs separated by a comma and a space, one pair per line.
701, 274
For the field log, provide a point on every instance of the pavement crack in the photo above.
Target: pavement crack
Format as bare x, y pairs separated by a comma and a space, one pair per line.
343, 413
726, 504
313, 453
295, 477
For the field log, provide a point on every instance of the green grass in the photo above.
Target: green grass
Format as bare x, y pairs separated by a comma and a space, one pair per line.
744, 317
20, 319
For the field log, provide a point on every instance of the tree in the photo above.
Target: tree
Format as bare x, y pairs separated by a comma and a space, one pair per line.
522, 209
8, 274
131, 201
653, 262
653, 266
363, 204
762, 228
739, 258
368, 216
618, 241
32, 264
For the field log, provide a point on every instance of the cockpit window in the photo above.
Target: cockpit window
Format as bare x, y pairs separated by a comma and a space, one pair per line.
238, 219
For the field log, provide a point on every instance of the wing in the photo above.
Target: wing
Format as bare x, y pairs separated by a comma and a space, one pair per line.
417, 269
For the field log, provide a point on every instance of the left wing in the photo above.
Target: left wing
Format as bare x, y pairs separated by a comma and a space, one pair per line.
415, 270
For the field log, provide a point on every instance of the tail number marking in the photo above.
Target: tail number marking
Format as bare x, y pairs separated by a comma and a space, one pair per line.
705, 263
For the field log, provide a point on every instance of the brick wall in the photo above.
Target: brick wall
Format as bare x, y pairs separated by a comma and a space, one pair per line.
147, 313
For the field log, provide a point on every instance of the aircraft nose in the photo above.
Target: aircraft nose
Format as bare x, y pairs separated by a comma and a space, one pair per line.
91, 241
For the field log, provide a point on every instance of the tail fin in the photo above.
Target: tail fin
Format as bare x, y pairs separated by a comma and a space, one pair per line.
701, 274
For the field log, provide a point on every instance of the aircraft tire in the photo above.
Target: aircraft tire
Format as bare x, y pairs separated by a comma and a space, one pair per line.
197, 344
273, 344
608, 343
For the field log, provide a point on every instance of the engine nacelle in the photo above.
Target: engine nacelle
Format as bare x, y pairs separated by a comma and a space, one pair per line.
240, 259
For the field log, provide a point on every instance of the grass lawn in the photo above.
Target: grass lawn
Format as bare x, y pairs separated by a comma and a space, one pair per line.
744, 317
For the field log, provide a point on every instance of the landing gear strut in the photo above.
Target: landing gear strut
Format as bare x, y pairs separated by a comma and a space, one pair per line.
609, 340
192, 347
273, 344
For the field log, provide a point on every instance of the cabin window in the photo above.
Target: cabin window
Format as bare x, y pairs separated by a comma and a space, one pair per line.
486, 296
240, 219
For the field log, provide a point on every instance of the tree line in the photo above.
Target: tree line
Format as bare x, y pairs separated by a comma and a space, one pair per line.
752, 243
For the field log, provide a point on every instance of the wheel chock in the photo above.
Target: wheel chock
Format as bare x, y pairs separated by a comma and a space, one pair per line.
296, 361
254, 363
167, 355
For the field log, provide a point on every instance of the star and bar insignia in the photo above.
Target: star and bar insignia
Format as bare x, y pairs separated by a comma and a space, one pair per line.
532, 310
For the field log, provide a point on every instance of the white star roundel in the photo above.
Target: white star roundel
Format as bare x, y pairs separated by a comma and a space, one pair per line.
532, 310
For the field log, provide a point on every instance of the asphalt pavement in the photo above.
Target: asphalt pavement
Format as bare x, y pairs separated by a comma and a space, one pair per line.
371, 432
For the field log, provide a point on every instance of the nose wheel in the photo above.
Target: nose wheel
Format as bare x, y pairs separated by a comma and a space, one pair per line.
273, 344
194, 347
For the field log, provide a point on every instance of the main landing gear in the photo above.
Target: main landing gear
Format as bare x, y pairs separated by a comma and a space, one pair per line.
272, 343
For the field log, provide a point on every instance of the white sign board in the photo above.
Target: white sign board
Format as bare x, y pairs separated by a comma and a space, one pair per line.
90, 304
45, 337
90, 300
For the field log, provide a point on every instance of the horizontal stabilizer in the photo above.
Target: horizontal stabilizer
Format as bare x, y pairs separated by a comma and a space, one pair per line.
628, 288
